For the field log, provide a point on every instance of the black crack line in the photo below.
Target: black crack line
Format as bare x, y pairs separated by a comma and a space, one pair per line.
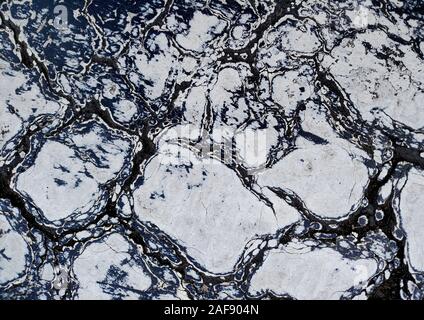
159, 19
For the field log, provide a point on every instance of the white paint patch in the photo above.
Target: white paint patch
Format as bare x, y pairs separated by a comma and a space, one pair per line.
26, 98
326, 177
411, 212
66, 183
59, 193
375, 83
10, 125
13, 250
19, 101
195, 104
106, 268
285, 41
291, 88
321, 274
204, 206
202, 30
152, 72
230, 110
124, 111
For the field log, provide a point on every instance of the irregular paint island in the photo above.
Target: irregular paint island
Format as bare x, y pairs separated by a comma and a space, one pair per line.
243, 149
